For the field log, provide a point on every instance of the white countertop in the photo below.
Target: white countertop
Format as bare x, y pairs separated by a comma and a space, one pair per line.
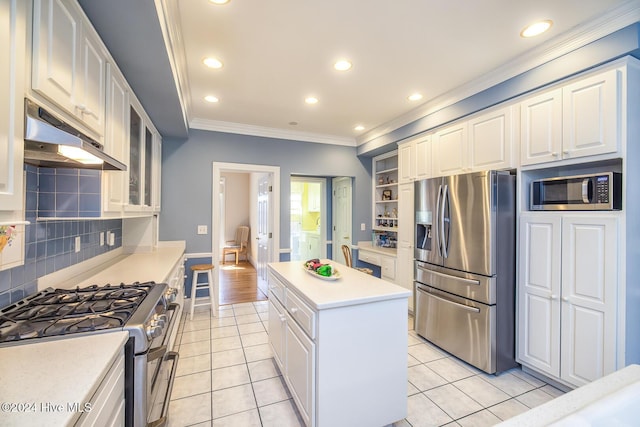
592, 395
127, 268
56, 372
352, 288
368, 246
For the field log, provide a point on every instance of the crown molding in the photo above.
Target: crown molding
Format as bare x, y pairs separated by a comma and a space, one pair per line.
626, 14
267, 132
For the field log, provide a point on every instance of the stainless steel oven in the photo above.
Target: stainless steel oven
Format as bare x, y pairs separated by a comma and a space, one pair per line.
141, 309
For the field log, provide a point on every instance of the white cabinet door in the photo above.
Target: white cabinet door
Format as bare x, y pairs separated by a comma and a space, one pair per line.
590, 115
157, 172
68, 62
404, 259
491, 140
541, 128
300, 369
450, 150
423, 158
277, 328
12, 40
539, 292
589, 282
406, 162
116, 140
93, 67
56, 52
388, 268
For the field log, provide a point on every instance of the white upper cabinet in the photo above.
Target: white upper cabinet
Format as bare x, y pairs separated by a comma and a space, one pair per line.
577, 120
541, 127
483, 142
116, 138
12, 60
590, 115
414, 159
491, 140
450, 150
69, 62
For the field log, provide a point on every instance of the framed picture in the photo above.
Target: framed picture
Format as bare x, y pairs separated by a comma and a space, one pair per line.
386, 195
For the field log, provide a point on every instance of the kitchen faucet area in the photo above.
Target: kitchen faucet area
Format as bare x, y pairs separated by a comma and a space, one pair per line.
430, 207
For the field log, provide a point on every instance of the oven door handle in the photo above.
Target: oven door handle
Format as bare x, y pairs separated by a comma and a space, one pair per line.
162, 421
156, 353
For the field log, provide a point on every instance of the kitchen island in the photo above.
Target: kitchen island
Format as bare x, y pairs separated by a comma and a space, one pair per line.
341, 344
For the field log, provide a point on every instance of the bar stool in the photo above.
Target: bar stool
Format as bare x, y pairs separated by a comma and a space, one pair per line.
210, 284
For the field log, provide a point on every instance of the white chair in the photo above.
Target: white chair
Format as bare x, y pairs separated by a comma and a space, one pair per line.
238, 245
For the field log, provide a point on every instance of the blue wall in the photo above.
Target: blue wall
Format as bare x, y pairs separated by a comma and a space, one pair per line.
49, 245
187, 174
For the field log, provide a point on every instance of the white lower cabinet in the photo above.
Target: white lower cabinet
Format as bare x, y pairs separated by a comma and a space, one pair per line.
300, 368
567, 290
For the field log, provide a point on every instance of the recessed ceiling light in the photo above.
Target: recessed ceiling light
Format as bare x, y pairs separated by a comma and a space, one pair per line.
211, 98
212, 62
414, 97
536, 28
219, 1
342, 65
359, 128
311, 100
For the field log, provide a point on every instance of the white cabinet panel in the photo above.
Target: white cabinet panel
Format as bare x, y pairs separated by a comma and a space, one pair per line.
69, 62
12, 39
404, 259
539, 292
591, 114
423, 158
491, 140
567, 294
277, 331
589, 278
406, 162
301, 369
450, 150
541, 128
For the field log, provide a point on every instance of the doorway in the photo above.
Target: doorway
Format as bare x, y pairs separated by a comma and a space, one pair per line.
307, 214
342, 215
264, 209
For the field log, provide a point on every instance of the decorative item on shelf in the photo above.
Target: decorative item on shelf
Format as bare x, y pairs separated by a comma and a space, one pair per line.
380, 181
7, 232
386, 195
394, 213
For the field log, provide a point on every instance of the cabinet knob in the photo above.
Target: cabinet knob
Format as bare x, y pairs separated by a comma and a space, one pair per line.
554, 296
565, 299
554, 154
566, 152
81, 107
294, 310
282, 318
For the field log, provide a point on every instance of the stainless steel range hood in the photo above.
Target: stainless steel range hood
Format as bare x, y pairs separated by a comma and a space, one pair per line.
50, 142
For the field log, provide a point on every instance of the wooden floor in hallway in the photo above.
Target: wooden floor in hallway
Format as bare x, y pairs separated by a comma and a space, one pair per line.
239, 283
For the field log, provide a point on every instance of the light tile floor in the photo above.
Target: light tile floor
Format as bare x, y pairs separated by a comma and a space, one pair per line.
226, 376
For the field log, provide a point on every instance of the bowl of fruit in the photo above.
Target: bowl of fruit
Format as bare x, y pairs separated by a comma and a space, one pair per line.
321, 270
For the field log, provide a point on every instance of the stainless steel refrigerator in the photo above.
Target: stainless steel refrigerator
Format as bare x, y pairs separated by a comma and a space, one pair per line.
465, 266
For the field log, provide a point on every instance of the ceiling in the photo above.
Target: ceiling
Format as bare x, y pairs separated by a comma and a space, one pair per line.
276, 53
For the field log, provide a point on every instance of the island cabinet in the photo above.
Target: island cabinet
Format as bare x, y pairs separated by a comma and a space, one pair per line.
341, 345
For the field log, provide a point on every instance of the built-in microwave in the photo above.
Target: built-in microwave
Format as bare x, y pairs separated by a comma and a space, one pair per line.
598, 191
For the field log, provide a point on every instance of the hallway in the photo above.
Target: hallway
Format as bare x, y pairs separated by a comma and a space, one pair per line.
238, 284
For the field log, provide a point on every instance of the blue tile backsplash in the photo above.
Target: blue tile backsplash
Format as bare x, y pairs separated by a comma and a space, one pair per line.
50, 244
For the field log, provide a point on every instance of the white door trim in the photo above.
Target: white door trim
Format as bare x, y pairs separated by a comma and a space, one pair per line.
274, 219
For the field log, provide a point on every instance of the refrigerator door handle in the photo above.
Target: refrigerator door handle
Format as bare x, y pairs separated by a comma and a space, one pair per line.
458, 305
444, 239
437, 229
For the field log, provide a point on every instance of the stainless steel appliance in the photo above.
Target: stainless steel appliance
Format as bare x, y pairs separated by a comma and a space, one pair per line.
599, 191
51, 142
139, 308
465, 266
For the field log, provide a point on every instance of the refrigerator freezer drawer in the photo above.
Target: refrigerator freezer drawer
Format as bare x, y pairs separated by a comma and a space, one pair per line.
459, 326
468, 285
